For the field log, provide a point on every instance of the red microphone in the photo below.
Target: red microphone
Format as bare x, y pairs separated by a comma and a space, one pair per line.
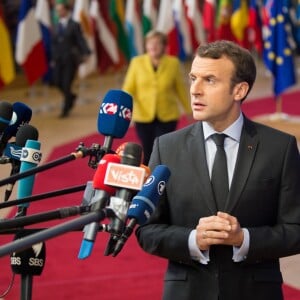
102, 193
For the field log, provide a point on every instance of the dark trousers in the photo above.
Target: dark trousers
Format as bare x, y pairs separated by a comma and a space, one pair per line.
147, 132
64, 75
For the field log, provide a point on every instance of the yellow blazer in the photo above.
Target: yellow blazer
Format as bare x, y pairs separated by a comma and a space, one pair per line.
156, 93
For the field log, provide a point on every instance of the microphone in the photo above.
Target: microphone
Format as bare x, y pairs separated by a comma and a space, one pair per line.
144, 203
87, 194
114, 116
130, 178
99, 200
113, 122
30, 157
120, 151
11, 151
30, 261
24, 133
6, 111
21, 115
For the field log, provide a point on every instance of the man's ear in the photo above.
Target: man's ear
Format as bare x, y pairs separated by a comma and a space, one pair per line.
240, 90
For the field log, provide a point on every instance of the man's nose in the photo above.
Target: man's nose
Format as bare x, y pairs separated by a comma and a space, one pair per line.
196, 87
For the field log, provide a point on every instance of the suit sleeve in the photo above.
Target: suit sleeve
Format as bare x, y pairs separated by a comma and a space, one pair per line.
157, 236
129, 84
81, 41
282, 239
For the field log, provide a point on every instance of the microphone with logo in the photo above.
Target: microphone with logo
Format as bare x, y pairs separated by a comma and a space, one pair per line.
120, 151
31, 261
6, 111
21, 115
30, 158
13, 152
129, 179
28, 263
144, 203
113, 123
99, 200
114, 117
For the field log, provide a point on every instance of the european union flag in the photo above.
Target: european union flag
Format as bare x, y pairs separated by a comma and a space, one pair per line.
277, 51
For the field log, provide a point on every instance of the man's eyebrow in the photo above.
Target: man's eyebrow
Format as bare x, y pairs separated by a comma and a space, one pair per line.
208, 75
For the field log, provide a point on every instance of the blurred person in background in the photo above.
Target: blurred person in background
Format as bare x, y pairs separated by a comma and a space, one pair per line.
156, 83
69, 49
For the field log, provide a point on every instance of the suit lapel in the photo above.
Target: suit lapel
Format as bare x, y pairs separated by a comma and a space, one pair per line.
148, 64
162, 64
197, 151
247, 149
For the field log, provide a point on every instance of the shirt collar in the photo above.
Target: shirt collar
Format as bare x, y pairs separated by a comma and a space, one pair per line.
233, 131
64, 20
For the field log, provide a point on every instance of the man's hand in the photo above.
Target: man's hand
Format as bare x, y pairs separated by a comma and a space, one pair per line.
222, 229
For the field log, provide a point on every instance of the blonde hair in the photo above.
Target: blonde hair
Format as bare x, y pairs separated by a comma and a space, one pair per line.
156, 34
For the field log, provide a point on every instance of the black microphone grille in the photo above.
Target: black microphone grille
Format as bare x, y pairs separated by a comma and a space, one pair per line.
24, 133
30, 261
132, 154
6, 110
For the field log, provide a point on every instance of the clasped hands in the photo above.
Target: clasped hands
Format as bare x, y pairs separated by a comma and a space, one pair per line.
220, 229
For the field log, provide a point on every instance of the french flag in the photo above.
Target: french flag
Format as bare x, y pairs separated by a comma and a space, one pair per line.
30, 51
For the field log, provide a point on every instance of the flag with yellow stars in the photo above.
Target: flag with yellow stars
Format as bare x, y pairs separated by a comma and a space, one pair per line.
278, 54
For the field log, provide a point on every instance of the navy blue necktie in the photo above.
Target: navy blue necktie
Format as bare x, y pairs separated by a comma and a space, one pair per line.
61, 29
219, 175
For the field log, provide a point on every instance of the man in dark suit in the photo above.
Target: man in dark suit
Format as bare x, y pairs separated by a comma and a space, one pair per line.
69, 49
226, 250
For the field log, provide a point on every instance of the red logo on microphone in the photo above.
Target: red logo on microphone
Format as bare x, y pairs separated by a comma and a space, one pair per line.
124, 176
109, 108
125, 113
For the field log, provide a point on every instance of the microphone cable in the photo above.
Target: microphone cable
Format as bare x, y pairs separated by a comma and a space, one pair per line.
10, 285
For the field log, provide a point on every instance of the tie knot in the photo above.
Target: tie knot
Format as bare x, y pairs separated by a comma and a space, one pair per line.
219, 139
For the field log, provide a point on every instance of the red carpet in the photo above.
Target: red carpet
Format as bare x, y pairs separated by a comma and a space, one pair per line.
133, 274
290, 105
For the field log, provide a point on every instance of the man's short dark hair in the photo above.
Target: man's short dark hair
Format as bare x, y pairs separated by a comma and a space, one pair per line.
245, 68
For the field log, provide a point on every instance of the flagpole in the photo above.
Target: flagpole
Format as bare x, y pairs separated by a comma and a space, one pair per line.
279, 115
278, 102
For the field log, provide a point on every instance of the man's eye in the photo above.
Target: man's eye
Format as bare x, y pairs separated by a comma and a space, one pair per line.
210, 80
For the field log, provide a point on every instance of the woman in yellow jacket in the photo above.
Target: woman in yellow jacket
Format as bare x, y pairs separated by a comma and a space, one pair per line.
155, 82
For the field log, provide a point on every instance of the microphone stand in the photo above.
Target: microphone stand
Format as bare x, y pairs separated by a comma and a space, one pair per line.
97, 215
59, 213
95, 152
43, 196
26, 283
20, 244
26, 279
